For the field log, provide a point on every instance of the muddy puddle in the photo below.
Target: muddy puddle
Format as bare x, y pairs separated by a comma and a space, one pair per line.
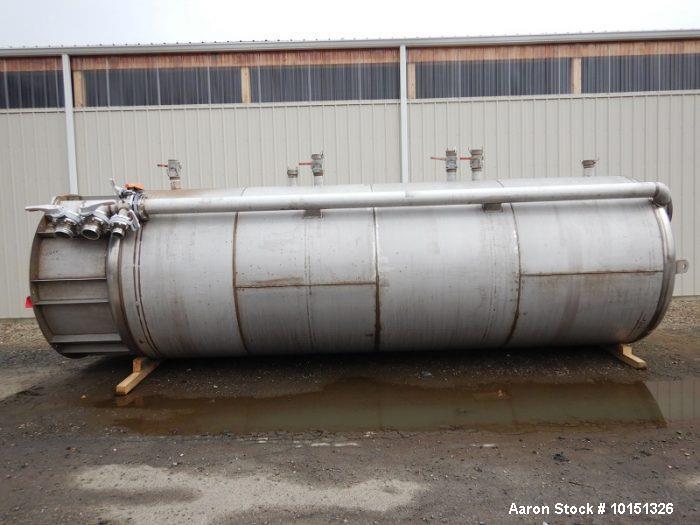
367, 405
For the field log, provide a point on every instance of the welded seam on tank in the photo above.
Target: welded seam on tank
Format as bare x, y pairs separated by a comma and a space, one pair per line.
263, 285
138, 293
669, 275
122, 324
235, 285
491, 309
601, 272
516, 316
307, 275
377, 298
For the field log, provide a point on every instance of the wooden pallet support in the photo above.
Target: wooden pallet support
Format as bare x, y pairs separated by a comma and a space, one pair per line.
141, 368
624, 353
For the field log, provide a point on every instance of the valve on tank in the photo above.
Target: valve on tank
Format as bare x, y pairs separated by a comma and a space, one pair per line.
451, 159
316, 164
96, 220
63, 221
174, 168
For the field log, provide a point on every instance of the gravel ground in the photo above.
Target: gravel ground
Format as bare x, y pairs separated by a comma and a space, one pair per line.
210, 441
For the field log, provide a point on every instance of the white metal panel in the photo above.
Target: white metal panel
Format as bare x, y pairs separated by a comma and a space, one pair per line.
33, 168
242, 145
646, 136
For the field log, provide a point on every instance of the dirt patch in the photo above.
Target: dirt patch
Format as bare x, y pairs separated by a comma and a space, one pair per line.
70, 452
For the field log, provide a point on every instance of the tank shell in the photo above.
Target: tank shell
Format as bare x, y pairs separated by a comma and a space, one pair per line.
361, 280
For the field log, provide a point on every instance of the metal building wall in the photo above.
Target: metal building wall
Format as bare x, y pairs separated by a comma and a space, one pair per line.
231, 145
647, 136
33, 169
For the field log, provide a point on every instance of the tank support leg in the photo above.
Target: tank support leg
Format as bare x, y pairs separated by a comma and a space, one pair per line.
624, 353
142, 367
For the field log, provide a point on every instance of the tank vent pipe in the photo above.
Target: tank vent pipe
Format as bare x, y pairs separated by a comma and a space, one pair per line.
292, 176
589, 167
476, 163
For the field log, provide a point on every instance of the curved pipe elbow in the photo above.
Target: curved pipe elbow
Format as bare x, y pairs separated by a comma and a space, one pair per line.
662, 198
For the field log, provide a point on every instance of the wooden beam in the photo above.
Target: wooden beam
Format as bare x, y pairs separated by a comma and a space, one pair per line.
245, 85
30, 64
79, 100
269, 58
537, 51
575, 75
411, 80
624, 353
141, 368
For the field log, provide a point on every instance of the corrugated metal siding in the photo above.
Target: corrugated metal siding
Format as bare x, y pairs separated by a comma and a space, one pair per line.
33, 168
649, 137
646, 136
237, 145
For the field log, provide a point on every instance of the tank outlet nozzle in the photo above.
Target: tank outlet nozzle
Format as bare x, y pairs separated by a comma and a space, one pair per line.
65, 229
92, 229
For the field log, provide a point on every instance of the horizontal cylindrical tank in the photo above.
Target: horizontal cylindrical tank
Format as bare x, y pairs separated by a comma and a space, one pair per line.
362, 279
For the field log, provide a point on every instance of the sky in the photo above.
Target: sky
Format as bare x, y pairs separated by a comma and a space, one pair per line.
75, 22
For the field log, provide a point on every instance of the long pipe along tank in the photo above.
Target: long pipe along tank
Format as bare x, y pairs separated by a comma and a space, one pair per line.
361, 268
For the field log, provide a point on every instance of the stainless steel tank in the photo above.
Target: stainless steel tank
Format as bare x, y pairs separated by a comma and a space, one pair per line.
580, 261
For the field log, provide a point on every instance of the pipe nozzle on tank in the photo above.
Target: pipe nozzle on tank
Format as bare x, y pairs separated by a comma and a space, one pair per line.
476, 163
589, 167
67, 225
174, 168
125, 219
451, 164
292, 176
92, 230
66, 229
317, 168
95, 220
